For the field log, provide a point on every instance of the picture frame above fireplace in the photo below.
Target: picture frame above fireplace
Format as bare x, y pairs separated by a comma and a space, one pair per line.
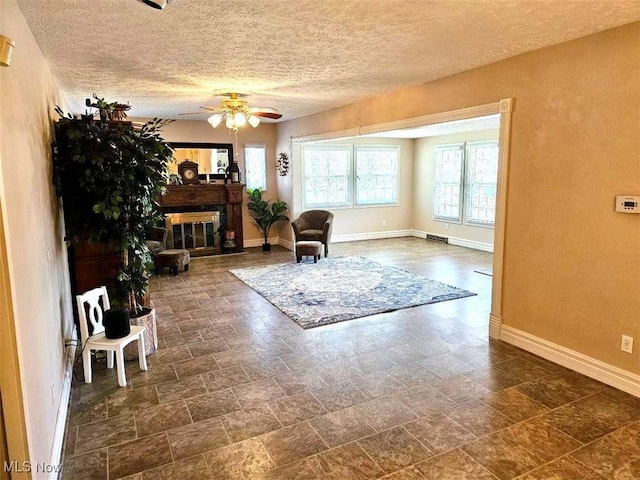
212, 158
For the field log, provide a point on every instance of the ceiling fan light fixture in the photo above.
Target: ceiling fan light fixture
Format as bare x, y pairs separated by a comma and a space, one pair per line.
236, 113
214, 120
239, 119
254, 121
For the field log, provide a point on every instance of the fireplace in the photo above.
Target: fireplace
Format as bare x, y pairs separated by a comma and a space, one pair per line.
198, 232
198, 216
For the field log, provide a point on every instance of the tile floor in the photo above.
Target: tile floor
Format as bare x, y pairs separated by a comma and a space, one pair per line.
237, 390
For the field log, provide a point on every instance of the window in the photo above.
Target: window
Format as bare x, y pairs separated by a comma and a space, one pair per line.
481, 183
255, 164
477, 164
448, 172
327, 176
376, 175
350, 175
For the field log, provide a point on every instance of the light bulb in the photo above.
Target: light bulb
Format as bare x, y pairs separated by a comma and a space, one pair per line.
254, 121
239, 119
215, 119
229, 123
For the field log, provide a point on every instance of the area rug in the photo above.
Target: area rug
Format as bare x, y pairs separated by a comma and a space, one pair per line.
342, 288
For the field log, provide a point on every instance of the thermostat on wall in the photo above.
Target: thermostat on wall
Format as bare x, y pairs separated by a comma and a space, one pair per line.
628, 204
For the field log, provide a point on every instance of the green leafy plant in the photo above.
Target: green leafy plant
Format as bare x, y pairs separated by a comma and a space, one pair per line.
105, 109
264, 214
109, 176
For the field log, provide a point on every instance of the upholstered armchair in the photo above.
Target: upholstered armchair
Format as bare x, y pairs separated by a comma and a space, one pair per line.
156, 239
314, 225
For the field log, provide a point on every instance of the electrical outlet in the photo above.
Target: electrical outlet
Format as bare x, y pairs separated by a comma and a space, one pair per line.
627, 344
446, 226
384, 222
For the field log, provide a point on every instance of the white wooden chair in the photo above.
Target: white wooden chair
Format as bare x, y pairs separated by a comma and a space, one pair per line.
89, 303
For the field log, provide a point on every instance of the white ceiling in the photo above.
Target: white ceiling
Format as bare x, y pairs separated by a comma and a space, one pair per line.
299, 56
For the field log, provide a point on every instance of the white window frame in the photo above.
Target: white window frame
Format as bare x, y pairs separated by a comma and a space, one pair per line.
444, 218
395, 195
346, 148
352, 180
263, 185
467, 183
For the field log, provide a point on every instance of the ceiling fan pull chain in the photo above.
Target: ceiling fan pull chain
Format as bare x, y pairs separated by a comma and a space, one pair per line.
235, 134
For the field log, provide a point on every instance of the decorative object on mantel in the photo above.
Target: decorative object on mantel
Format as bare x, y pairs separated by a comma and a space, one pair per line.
110, 175
343, 288
265, 216
188, 171
233, 171
282, 164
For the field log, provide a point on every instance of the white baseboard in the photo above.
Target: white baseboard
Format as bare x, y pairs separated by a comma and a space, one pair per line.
460, 242
605, 373
352, 237
288, 244
55, 457
257, 242
495, 324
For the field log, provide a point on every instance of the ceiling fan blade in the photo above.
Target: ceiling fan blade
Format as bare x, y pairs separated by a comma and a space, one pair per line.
192, 113
266, 113
274, 116
264, 109
213, 109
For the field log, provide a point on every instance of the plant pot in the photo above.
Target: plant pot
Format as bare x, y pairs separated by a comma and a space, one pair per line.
116, 323
266, 247
147, 319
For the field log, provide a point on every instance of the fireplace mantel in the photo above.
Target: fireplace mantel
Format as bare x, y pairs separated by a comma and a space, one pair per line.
195, 198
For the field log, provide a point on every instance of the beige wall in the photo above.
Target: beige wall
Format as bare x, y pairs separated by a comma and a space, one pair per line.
264, 134
363, 220
572, 265
36, 254
423, 187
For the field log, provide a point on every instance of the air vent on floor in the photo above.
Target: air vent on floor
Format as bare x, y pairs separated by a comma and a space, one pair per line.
437, 238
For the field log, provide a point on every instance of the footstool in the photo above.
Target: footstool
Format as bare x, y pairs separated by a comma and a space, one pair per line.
308, 249
173, 259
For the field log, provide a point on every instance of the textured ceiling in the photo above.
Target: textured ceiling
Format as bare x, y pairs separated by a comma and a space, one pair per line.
299, 56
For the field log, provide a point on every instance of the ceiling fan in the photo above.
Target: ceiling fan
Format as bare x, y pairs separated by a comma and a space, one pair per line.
236, 112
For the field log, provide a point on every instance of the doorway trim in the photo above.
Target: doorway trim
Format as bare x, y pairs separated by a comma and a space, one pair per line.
504, 107
13, 411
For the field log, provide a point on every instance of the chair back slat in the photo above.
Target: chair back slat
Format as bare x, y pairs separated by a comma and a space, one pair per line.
91, 305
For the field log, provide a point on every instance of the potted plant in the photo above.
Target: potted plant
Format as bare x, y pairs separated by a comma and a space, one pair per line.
105, 109
109, 175
265, 215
